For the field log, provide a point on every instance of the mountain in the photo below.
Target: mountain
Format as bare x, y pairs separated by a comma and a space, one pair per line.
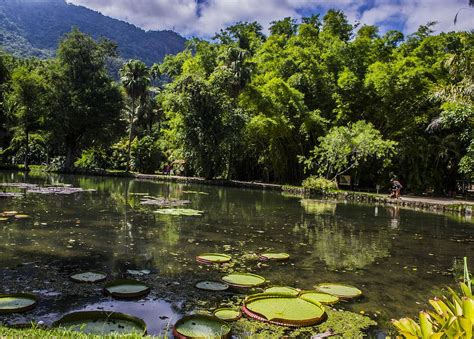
34, 28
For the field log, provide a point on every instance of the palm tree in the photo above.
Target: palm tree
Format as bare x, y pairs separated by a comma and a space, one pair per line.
135, 78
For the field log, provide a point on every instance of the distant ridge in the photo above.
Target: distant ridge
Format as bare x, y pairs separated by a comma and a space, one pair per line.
34, 28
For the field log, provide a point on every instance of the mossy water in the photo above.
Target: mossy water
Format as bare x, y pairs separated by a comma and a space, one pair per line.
398, 258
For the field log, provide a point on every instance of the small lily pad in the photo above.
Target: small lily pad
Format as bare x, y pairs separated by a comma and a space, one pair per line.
88, 277
284, 310
3, 219
126, 288
201, 326
339, 290
195, 192
211, 286
228, 314
101, 323
22, 216
9, 213
283, 290
180, 211
243, 279
213, 258
274, 256
323, 298
16, 303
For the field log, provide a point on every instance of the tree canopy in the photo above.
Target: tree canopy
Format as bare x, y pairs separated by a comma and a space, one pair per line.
314, 97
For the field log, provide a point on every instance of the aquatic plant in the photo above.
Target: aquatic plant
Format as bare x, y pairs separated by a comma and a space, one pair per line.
213, 258
244, 279
126, 288
16, 303
102, 323
201, 326
284, 309
339, 290
180, 212
451, 317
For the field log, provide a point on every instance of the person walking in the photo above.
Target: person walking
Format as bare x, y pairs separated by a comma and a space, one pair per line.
396, 188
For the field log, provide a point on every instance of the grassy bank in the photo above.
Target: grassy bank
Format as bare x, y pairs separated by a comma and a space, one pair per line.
59, 333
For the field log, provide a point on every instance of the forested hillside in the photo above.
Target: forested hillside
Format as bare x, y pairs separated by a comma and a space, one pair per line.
316, 98
35, 27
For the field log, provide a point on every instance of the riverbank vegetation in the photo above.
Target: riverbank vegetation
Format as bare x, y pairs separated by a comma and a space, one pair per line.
318, 97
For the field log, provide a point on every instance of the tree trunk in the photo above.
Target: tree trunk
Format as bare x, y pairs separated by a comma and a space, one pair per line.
130, 123
70, 150
27, 152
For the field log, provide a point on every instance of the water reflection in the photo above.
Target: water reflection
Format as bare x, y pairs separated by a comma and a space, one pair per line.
377, 248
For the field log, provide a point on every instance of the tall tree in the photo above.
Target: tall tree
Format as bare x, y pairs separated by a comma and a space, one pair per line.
87, 105
135, 78
26, 104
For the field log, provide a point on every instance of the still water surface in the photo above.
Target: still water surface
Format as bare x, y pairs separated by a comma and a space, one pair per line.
398, 257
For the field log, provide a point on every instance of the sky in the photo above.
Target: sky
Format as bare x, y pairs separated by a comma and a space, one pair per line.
203, 18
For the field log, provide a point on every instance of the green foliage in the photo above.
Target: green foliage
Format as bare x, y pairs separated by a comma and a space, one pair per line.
92, 159
453, 317
148, 156
345, 148
319, 185
86, 104
313, 95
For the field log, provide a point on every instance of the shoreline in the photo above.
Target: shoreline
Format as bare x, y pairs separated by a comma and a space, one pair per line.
434, 204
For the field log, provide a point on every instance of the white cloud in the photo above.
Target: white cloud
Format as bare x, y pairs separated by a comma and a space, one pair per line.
204, 19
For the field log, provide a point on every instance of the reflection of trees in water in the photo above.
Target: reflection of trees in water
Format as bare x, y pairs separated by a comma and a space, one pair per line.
318, 206
343, 245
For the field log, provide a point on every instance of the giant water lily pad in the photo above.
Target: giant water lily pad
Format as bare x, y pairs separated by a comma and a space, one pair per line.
243, 279
211, 286
101, 323
180, 211
22, 216
164, 202
195, 192
339, 290
9, 213
201, 326
88, 277
323, 298
3, 219
126, 288
283, 290
228, 314
274, 256
15, 303
213, 258
283, 309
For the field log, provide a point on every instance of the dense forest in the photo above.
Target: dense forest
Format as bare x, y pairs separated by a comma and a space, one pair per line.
319, 97
34, 28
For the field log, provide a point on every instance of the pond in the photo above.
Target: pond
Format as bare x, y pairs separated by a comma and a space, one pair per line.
398, 257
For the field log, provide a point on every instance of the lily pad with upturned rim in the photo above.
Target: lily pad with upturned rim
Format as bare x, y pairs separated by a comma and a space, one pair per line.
245, 280
88, 277
9, 213
126, 288
18, 302
323, 298
215, 286
228, 314
101, 323
283, 290
3, 219
284, 310
339, 290
274, 256
213, 258
201, 326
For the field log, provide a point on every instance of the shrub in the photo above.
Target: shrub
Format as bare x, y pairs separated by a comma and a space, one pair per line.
319, 185
147, 155
92, 159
